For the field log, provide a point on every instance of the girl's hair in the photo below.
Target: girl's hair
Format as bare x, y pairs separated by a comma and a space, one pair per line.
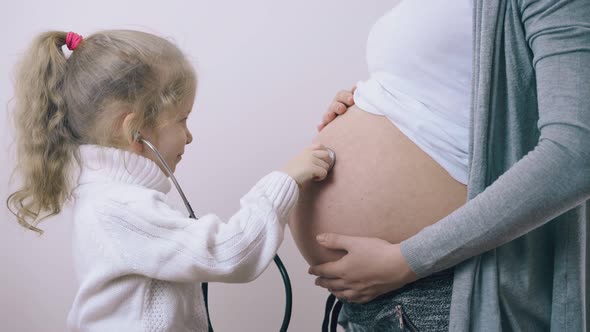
64, 102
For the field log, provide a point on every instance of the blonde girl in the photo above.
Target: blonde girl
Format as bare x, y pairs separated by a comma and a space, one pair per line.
139, 262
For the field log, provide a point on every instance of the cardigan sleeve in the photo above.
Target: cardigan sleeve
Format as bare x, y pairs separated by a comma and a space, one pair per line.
152, 239
550, 180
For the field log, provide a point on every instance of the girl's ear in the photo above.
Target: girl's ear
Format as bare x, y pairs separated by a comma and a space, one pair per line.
135, 144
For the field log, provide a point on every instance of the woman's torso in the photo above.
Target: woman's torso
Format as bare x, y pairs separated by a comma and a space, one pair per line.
382, 185
402, 151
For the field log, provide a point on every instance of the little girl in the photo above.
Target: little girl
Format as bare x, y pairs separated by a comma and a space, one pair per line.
139, 261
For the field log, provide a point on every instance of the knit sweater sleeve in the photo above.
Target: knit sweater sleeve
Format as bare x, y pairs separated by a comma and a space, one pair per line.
551, 179
155, 240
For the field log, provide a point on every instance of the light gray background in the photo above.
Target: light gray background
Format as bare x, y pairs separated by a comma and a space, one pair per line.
267, 71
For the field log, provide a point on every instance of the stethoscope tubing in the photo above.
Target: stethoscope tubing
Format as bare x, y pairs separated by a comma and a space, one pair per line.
205, 286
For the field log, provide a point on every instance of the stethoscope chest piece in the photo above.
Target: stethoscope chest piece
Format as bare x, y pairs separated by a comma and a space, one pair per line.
332, 157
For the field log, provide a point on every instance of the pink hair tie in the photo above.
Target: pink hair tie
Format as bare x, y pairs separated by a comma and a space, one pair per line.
73, 40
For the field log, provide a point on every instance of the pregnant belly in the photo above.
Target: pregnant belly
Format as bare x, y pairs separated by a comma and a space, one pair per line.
382, 185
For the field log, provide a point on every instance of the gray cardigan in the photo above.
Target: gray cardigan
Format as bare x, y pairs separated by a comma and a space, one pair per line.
521, 240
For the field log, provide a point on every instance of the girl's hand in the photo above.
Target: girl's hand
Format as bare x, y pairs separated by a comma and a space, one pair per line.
370, 268
339, 106
313, 163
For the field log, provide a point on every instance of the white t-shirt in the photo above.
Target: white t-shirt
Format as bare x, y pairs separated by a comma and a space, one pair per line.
420, 63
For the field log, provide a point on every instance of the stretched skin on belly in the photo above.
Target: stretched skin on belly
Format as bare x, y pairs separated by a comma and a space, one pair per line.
382, 185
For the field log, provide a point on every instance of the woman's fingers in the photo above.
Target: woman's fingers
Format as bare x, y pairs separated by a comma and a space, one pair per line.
326, 270
351, 295
338, 108
342, 101
343, 290
329, 117
371, 267
345, 97
332, 284
338, 241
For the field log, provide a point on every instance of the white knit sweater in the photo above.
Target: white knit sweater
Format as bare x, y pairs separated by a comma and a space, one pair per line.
140, 262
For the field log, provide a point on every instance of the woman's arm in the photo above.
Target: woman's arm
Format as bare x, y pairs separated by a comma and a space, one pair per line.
551, 179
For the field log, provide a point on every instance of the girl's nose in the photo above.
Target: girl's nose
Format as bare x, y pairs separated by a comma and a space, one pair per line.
189, 137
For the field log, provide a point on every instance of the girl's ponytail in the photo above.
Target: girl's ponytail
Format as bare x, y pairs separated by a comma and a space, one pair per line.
45, 140
62, 103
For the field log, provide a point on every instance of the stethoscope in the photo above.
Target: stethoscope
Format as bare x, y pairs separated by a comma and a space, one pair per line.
277, 260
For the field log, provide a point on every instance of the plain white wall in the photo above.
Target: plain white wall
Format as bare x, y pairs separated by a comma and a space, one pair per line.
267, 70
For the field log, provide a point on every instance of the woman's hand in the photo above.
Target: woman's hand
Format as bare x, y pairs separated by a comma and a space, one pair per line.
370, 268
339, 106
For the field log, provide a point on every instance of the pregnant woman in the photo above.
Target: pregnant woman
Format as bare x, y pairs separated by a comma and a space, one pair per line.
402, 150
470, 138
